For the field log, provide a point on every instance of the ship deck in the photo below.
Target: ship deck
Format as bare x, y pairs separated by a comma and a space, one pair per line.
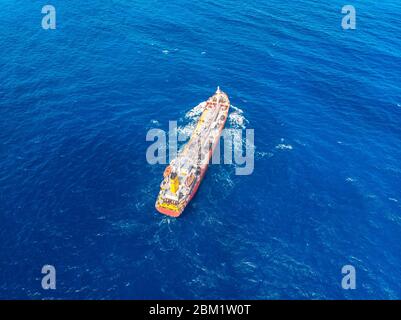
194, 158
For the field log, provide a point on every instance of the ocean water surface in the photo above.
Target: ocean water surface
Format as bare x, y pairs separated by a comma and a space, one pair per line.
77, 192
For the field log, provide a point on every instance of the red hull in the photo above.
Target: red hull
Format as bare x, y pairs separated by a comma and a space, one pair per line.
174, 213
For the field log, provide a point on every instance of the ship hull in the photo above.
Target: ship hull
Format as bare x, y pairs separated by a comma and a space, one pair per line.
203, 169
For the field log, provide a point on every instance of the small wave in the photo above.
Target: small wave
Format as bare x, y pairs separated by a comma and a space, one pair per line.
263, 154
124, 226
283, 146
249, 264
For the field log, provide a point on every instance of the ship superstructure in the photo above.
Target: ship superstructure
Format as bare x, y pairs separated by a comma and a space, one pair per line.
185, 173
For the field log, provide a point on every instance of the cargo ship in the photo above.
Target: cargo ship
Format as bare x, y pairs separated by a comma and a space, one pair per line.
182, 177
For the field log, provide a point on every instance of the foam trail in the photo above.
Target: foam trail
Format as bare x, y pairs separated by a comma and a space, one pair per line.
195, 112
193, 116
236, 118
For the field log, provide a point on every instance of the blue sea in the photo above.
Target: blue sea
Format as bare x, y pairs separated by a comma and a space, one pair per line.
77, 192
